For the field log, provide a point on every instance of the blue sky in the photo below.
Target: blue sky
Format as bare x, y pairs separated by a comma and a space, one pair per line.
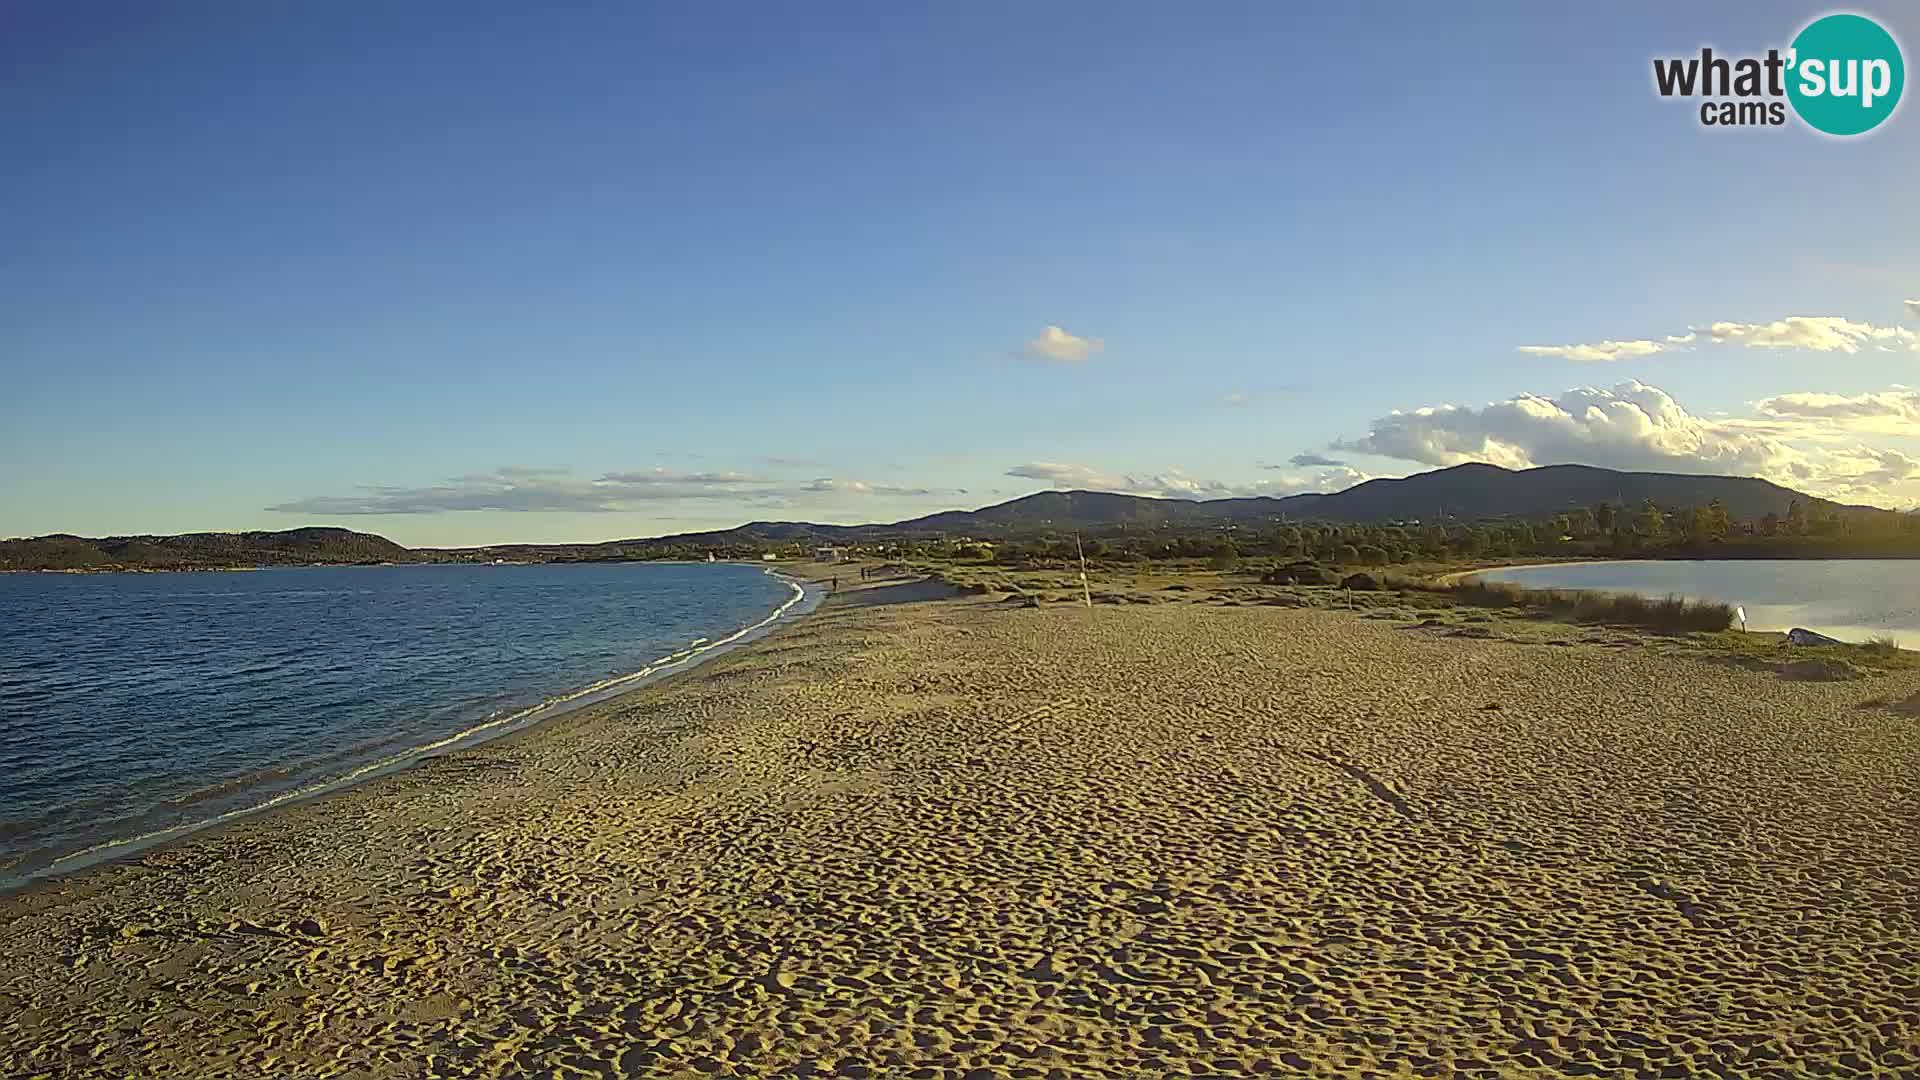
469, 273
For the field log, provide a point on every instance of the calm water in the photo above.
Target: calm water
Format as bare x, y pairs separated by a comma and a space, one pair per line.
134, 704
1851, 599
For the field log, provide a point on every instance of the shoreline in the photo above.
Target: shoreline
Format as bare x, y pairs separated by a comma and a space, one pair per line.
962, 836
806, 597
1461, 575
947, 837
82, 571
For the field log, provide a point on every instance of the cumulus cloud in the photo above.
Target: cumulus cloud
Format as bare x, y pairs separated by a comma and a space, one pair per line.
522, 489
1058, 345
1791, 439
1630, 426
1599, 352
1819, 333
1866, 472
1178, 484
1894, 411
1913, 308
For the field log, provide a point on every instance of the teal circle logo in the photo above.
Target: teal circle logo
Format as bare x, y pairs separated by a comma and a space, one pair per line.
1845, 74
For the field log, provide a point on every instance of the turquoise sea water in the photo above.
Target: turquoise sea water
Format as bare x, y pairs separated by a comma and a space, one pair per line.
1851, 599
136, 704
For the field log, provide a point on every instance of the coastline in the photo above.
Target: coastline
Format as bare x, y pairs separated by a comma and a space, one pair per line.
805, 598
1182, 837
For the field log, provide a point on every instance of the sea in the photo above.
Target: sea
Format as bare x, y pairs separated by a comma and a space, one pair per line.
1850, 599
135, 707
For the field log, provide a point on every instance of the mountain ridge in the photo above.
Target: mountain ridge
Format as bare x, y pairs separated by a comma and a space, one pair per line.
1459, 493
1468, 492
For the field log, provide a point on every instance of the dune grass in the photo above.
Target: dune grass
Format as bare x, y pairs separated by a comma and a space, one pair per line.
1670, 614
1878, 654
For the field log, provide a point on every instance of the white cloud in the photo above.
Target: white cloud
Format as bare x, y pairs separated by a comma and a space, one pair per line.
1322, 479
662, 478
1913, 308
1634, 426
1178, 484
1064, 475
837, 485
1599, 352
1313, 460
1895, 411
1056, 344
1819, 333
519, 489
1867, 473
1631, 426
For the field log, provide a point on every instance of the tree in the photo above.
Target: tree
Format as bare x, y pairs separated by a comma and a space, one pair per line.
1650, 522
1697, 525
1821, 522
1796, 519
1603, 517
1718, 521
1225, 556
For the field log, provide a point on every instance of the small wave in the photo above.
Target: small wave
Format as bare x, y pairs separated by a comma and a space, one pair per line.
228, 786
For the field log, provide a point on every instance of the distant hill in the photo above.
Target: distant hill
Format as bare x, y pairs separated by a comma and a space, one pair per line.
292, 547
1476, 491
1460, 493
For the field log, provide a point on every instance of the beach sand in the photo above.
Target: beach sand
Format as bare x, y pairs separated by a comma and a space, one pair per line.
961, 838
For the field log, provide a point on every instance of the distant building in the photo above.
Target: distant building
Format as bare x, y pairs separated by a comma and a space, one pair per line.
769, 557
826, 554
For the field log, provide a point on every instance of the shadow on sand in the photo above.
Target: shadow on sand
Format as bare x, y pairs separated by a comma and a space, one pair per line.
906, 592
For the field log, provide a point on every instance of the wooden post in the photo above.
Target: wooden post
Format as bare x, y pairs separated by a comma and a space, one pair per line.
1085, 588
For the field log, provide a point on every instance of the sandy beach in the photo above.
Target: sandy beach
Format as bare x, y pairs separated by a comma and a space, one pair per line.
962, 838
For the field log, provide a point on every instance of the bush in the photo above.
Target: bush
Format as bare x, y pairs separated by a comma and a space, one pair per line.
1300, 573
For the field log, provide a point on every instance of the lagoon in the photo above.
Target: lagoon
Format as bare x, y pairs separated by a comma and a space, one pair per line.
1851, 599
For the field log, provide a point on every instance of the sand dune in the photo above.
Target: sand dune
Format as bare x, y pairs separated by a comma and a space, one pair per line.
962, 839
